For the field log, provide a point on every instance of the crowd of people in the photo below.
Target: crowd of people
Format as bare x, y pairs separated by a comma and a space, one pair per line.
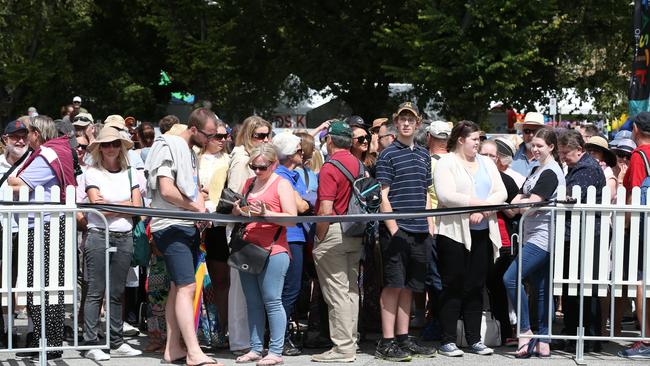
399, 275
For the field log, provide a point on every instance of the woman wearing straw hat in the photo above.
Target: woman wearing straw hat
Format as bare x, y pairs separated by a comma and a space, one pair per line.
597, 147
109, 180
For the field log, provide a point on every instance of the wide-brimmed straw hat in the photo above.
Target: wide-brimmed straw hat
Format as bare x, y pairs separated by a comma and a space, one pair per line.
599, 143
109, 135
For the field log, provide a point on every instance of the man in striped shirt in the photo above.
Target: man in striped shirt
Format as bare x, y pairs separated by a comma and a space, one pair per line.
404, 171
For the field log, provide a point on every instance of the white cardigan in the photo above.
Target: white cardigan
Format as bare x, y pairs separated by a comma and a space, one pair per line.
454, 187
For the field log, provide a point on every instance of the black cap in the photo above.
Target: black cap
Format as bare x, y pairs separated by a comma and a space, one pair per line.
355, 121
642, 121
15, 126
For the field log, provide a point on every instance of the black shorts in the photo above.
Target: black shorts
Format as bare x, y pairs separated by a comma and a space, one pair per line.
216, 244
406, 257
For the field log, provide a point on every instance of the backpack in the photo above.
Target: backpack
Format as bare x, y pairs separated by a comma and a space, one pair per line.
364, 198
645, 185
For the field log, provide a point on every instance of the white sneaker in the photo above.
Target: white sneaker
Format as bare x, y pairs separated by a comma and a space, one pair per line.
97, 355
128, 330
126, 350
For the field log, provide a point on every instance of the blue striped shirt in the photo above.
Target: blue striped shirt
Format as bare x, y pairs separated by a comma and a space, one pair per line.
408, 174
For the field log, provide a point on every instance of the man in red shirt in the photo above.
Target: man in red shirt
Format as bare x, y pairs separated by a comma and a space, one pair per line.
634, 177
337, 256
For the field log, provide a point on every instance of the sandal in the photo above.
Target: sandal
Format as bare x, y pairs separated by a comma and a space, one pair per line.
538, 352
530, 349
270, 360
251, 356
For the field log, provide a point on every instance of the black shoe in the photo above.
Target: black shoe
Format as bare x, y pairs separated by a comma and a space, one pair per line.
290, 349
416, 350
26, 354
318, 342
390, 351
29, 339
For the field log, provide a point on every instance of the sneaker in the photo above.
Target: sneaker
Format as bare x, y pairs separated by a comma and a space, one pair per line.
97, 355
638, 351
450, 350
290, 348
333, 356
416, 350
126, 350
128, 330
318, 342
390, 351
480, 349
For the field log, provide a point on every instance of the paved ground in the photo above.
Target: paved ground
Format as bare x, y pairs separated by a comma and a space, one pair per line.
503, 357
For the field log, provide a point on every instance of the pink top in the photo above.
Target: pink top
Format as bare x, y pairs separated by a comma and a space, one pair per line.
262, 233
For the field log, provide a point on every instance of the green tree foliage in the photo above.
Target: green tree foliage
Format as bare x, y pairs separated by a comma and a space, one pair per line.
246, 55
466, 53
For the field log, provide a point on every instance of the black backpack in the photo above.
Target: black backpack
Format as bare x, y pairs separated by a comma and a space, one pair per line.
364, 198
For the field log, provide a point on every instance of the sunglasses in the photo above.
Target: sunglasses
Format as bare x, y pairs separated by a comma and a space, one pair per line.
220, 136
261, 168
82, 146
82, 119
528, 131
261, 136
209, 137
374, 130
362, 139
115, 143
388, 135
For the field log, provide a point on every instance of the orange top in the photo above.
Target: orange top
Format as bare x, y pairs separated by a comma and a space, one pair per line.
262, 233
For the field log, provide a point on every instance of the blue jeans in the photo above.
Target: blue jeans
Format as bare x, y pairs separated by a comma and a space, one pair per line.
535, 267
262, 291
293, 280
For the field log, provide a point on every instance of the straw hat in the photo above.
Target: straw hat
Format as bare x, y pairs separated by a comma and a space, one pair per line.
109, 135
599, 143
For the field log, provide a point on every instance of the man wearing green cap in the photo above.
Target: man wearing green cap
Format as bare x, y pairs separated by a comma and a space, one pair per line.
337, 256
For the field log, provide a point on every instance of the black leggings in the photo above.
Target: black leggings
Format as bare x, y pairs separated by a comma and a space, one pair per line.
463, 275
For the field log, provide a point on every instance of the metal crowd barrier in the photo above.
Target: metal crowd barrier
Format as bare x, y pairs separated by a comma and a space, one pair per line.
21, 212
607, 280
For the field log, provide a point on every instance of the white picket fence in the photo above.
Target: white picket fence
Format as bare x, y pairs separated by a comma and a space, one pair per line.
610, 252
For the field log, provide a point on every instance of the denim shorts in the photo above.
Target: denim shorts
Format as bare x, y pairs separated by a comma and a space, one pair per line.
179, 244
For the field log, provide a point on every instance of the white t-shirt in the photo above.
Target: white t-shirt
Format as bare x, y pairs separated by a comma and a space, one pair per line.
114, 188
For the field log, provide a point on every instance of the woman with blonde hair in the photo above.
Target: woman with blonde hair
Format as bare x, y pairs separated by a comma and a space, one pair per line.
254, 131
266, 194
109, 180
213, 170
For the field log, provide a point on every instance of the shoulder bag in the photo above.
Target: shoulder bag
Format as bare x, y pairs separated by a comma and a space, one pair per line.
246, 256
141, 250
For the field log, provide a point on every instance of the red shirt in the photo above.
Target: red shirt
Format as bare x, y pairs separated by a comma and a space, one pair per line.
636, 171
333, 185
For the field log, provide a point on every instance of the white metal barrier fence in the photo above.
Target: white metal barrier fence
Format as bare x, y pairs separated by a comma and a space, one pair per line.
19, 217
585, 248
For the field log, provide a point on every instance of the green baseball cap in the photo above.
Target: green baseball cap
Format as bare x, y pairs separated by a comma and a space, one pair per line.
339, 128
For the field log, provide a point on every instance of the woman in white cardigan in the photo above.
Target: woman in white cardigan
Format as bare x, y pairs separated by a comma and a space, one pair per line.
467, 244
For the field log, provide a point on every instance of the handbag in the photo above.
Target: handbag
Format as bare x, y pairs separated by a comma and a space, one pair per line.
141, 250
228, 196
246, 256
490, 331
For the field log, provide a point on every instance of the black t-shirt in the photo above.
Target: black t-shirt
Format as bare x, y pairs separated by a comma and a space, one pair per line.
545, 185
511, 186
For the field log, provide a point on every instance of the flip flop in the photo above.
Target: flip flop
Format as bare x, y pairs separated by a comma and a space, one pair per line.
530, 350
178, 361
212, 362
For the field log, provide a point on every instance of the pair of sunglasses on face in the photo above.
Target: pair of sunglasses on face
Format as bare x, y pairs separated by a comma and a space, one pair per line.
115, 143
362, 139
261, 168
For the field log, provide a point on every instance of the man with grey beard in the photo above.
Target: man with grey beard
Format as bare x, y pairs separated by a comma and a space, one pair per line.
16, 150
523, 162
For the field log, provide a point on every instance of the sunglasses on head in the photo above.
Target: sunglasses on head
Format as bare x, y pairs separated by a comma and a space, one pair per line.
261, 168
115, 143
260, 136
362, 139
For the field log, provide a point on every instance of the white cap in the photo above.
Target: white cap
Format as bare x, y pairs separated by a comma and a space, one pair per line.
76, 99
286, 144
439, 130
